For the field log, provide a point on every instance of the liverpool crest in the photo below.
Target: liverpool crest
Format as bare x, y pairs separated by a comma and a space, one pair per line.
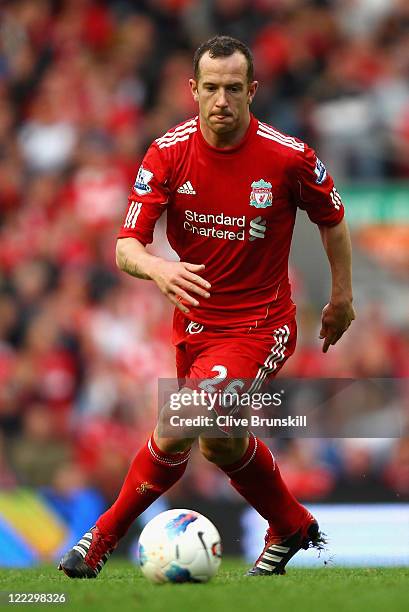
261, 195
144, 487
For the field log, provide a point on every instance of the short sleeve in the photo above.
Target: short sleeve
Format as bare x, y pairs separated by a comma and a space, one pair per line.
148, 198
313, 189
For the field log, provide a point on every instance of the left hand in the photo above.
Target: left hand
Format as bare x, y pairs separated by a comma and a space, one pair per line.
335, 320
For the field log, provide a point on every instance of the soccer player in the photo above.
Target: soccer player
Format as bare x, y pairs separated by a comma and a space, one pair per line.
231, 185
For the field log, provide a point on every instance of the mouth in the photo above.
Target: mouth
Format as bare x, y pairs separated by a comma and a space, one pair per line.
221, 117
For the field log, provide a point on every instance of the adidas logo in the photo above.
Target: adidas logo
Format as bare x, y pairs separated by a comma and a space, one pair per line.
187, 188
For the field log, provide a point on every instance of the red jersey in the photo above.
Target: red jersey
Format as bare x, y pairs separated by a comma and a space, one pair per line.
234, 211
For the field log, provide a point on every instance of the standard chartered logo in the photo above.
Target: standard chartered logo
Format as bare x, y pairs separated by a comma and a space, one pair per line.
257, 228
195, 222
233, 228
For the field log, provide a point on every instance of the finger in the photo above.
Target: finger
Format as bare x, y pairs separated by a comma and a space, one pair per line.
193, 267
338, 335
191, 287
326, 345
331, 339
180, 293
177, 302
196, 279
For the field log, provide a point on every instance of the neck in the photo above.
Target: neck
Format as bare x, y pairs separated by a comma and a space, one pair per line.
224, 140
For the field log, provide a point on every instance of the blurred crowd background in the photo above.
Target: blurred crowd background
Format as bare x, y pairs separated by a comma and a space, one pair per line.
85, 86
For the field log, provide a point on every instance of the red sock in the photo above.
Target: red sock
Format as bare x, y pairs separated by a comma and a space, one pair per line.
257, 478
152, 472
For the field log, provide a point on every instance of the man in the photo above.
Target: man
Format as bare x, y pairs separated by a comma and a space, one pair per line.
231, 185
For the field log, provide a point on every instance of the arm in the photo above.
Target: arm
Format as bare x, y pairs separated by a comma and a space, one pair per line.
174, 278
339, 313
147, 201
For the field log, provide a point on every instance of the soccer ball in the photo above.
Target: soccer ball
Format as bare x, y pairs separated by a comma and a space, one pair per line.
179, 546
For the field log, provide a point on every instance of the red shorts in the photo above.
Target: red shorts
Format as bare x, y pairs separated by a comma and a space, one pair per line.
256, 354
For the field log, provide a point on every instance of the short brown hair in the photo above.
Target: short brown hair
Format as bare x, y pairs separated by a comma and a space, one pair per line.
223, 46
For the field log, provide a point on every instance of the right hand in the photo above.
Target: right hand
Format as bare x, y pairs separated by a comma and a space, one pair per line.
178, 279
335, 320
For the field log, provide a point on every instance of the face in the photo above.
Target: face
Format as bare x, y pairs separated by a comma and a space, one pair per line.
223, 93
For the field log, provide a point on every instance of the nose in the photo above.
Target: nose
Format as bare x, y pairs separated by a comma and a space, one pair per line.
221, 101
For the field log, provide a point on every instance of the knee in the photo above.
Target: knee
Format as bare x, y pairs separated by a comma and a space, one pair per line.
222, 451
172, 445
213, 449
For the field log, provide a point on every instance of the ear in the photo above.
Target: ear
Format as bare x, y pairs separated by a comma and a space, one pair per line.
193, 88
252, 91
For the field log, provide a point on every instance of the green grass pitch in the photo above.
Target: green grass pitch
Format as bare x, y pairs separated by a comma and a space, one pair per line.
121, 587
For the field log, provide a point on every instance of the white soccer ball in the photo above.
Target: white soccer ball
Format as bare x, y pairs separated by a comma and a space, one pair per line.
179, 546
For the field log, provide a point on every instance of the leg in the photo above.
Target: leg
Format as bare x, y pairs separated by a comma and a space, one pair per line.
157, 466
248, 462
254, 473
252, 469
152, 472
